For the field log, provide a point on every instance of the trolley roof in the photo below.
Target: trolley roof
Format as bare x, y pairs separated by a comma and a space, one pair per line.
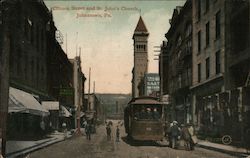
145, 100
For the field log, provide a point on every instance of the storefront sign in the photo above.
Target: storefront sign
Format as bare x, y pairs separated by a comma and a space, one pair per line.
66, 92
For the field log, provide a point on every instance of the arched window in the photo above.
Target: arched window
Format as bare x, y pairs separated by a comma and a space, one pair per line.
188, 29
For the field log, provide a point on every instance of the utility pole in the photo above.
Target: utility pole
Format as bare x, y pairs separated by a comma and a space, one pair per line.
66, 44
4, 72
89, 90
78, 92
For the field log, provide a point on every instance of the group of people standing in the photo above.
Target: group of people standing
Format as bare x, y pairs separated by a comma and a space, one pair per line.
109, 131
184, 132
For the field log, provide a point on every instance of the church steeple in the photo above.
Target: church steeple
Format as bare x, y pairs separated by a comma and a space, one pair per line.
140, 38
141, 27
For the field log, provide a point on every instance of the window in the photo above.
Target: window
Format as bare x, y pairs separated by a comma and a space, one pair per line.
217, 25
207, 5
18, 61
37, 37
199, 9
218, 64
26, 27
207, 68
207, 34
188, 30
32, 69
199, 72
41, 40
32, 34
26, 66
199, 41
179, 40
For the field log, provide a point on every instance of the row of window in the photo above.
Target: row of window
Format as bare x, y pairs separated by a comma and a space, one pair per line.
188, 32
217, 66
140, 47
35, 34
184, 79
200, 3
217, 31
28, 69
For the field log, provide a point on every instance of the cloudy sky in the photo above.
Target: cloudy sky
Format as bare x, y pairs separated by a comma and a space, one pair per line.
104, 30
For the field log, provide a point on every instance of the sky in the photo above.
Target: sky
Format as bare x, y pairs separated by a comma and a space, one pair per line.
104, 31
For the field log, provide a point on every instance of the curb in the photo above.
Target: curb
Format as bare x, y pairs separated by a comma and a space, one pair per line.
35, 148
232, 153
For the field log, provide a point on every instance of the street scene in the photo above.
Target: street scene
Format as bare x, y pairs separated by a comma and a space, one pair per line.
125, 78
99, 147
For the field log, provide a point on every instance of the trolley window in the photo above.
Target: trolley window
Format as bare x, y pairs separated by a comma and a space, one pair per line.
147, 112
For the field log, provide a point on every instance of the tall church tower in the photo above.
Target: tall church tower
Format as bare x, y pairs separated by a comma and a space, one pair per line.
140, 38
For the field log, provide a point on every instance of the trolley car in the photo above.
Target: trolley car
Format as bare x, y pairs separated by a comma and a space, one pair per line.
143, 119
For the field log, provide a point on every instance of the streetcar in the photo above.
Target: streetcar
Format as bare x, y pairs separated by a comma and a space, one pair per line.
143, 119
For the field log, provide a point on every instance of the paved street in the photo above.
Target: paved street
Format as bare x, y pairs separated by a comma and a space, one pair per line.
99, 147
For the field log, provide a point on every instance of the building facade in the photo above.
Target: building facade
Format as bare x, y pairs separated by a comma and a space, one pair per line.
221, 67
163, 68
39, 68
209, 46
28, 23
78, 87
179, 60
140, 38
28, 44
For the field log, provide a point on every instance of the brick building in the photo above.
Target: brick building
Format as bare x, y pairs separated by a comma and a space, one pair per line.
28, 44
39, 68
220, 67
163, 68
179, 62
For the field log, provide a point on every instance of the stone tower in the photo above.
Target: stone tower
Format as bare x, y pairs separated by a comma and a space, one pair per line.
140, 38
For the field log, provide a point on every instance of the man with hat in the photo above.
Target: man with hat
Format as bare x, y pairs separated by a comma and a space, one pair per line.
174, 133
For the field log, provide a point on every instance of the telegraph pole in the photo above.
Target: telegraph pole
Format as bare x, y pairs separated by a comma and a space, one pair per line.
4, 73
89, 90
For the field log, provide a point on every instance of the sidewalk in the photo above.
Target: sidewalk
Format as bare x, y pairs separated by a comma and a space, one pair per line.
232, 150
18, 148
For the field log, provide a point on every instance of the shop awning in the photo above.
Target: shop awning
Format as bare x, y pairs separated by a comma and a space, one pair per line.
23, 102
64, 112
51, 105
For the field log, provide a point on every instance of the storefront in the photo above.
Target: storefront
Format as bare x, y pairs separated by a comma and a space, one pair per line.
26, 116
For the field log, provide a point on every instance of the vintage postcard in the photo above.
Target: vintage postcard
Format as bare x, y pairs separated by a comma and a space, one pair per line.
124, 78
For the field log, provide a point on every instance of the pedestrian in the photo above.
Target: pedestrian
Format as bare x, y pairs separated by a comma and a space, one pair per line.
84, 123
174, 134
50, 126
117, 134
185, 135
64, 129
42, 126
88, 130
193, 139
108, 130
